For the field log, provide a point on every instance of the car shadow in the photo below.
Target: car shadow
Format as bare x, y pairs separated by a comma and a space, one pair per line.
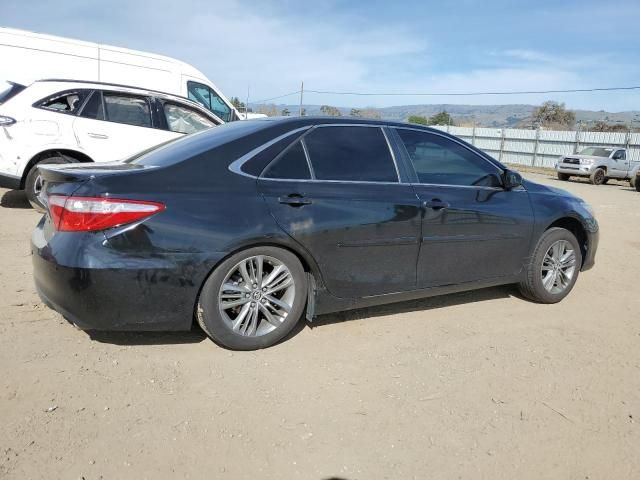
423, 304
15, 199
195, 335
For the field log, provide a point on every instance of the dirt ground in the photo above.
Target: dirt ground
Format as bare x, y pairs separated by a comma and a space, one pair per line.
474, 385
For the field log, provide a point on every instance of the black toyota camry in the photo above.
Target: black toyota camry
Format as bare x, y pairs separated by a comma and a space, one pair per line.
248, 227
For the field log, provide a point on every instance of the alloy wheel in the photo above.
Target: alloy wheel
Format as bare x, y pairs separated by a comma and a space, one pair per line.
256, 295
558, 267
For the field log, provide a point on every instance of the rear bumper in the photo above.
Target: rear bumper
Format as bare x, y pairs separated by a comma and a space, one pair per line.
9, 181
99, 288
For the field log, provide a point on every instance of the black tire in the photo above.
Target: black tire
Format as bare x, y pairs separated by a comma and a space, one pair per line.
633, 181
598, 177
32, 182
606, 179
532, 286
637, 185
563, 176
211, 320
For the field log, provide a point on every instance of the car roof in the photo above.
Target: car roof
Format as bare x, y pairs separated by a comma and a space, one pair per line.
318, 119
116, 86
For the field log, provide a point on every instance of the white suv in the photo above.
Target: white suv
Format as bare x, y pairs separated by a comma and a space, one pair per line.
65, 121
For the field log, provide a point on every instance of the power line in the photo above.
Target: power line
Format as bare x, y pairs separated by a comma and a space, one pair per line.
459, 94
276, 98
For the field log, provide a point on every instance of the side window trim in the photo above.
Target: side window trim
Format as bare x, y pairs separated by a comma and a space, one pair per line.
416, 181
306, 155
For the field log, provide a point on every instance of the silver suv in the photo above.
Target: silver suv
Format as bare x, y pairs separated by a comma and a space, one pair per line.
599, 164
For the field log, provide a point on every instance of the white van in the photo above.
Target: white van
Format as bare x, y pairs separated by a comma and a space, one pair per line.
26, 57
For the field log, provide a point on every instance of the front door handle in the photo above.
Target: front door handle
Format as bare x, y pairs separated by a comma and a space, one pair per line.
295, 200
436, 204
101, 136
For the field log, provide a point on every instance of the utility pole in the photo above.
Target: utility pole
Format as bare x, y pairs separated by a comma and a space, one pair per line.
301, 96
246, 105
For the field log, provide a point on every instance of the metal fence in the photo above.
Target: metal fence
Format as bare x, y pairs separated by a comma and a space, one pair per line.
541, 148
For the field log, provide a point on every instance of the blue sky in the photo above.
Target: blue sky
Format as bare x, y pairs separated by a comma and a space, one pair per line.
373, 45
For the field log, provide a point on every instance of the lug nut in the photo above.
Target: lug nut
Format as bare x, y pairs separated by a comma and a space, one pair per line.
253, 304
264, 289
263, 301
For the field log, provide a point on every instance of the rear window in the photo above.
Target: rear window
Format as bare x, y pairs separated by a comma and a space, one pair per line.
191, 145
9, 90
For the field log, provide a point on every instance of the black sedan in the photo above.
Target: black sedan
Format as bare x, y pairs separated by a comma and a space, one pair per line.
247, 226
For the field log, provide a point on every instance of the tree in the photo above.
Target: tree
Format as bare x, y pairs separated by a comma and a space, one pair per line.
285, 112
554, 116
235, 101
420, 120
269, 110
606, 127
355, 113
330, 111
371, 113
441, 118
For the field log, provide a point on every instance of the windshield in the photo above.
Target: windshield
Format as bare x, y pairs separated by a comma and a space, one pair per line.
9, 89
597, 151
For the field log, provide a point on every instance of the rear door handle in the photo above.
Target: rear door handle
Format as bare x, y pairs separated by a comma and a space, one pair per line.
101, 136
295, 200
436, 204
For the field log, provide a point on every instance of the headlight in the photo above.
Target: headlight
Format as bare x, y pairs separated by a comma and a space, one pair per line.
586, 161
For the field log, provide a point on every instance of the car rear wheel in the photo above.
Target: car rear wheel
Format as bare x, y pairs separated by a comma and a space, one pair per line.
563, 176
598, 177
633, 181
554, 268
253, 299
33, 182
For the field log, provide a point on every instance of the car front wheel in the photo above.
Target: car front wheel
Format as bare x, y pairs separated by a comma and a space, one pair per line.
253, 299
563, 176
598, 177
554, 267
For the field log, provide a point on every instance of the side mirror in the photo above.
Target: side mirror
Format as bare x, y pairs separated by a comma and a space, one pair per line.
511, 179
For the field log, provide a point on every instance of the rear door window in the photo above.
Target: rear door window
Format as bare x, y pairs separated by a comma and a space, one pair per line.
127, 109
182, 119
350, 153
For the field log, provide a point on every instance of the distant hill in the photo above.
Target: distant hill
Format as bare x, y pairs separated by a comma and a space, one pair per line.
508, 116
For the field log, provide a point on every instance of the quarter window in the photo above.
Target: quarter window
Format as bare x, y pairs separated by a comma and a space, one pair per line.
439, 160
292, 164
181, 119
208, 98
350, 154
65, 102
128, 109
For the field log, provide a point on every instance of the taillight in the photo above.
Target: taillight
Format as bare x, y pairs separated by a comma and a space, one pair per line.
89, 214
